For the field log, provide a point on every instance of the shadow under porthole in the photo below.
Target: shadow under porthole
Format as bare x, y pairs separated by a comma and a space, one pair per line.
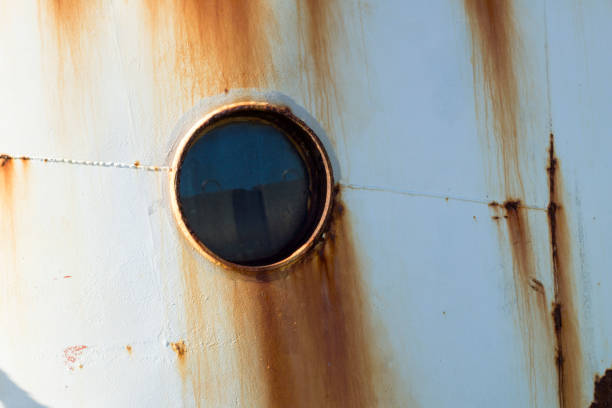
13, 396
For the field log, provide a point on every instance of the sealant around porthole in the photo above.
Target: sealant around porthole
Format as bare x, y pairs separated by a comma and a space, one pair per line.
252, 187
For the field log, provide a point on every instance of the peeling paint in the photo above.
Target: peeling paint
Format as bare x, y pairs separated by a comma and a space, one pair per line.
567, 332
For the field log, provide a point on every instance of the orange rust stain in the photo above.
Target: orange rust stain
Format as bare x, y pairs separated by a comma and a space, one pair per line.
320, 29
307, 335
493, 34
137, 163
218, 44
129, 349
602, 397
179, 348
567, 334
71, 20
7, 170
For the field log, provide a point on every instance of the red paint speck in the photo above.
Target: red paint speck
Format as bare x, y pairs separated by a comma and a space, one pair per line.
67, 276
71, 355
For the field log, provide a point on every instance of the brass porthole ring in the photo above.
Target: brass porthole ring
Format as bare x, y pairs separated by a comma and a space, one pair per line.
251, 187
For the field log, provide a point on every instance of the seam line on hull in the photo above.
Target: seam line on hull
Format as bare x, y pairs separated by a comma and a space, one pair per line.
90, 163
134, 166
412, 193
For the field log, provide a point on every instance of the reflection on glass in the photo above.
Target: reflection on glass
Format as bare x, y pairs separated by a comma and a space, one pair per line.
243, 192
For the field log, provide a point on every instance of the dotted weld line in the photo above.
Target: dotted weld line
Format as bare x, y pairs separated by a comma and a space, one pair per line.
134, 166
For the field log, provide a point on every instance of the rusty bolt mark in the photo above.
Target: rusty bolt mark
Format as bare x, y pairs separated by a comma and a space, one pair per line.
4, 158
137, 163
179, 348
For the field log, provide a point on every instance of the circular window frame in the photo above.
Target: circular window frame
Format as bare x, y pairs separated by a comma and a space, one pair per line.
308, 136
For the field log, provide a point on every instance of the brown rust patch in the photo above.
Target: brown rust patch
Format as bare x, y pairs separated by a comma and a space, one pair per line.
602, 397
568, 349
129, 349
304, 339
494, 50
218, 44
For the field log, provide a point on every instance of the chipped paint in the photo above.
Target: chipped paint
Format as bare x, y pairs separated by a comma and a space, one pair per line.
567, 331
310, 330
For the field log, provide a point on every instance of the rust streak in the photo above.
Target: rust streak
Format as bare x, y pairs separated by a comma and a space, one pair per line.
218, 44
568, 349
320, 28
71, 19
602, 397
310, 327
315, 341
491, 24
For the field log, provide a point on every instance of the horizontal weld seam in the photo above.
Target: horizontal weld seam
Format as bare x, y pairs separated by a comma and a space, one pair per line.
91, 163
412, 193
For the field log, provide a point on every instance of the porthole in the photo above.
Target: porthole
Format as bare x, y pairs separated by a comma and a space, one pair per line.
253, 186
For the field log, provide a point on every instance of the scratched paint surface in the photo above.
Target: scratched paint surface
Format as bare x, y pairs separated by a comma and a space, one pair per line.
461, 272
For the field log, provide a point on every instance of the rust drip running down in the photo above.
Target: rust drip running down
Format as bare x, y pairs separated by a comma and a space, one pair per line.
532, 306
305, 339
320, 28
71, 19
218, 44
568, 349
129, 349
315, 341
494, 50
602, 397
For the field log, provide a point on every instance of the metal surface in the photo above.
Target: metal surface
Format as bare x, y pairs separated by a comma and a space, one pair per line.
467, 263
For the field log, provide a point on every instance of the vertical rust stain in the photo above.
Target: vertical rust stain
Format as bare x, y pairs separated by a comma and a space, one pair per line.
304, 339
532, 306
217, 44
320, 29
314, 336
602, 397
71, 20
568, 349
194, 309
491, 23
495, 55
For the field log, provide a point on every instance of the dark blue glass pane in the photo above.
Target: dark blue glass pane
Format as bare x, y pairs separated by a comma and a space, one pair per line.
243, 191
